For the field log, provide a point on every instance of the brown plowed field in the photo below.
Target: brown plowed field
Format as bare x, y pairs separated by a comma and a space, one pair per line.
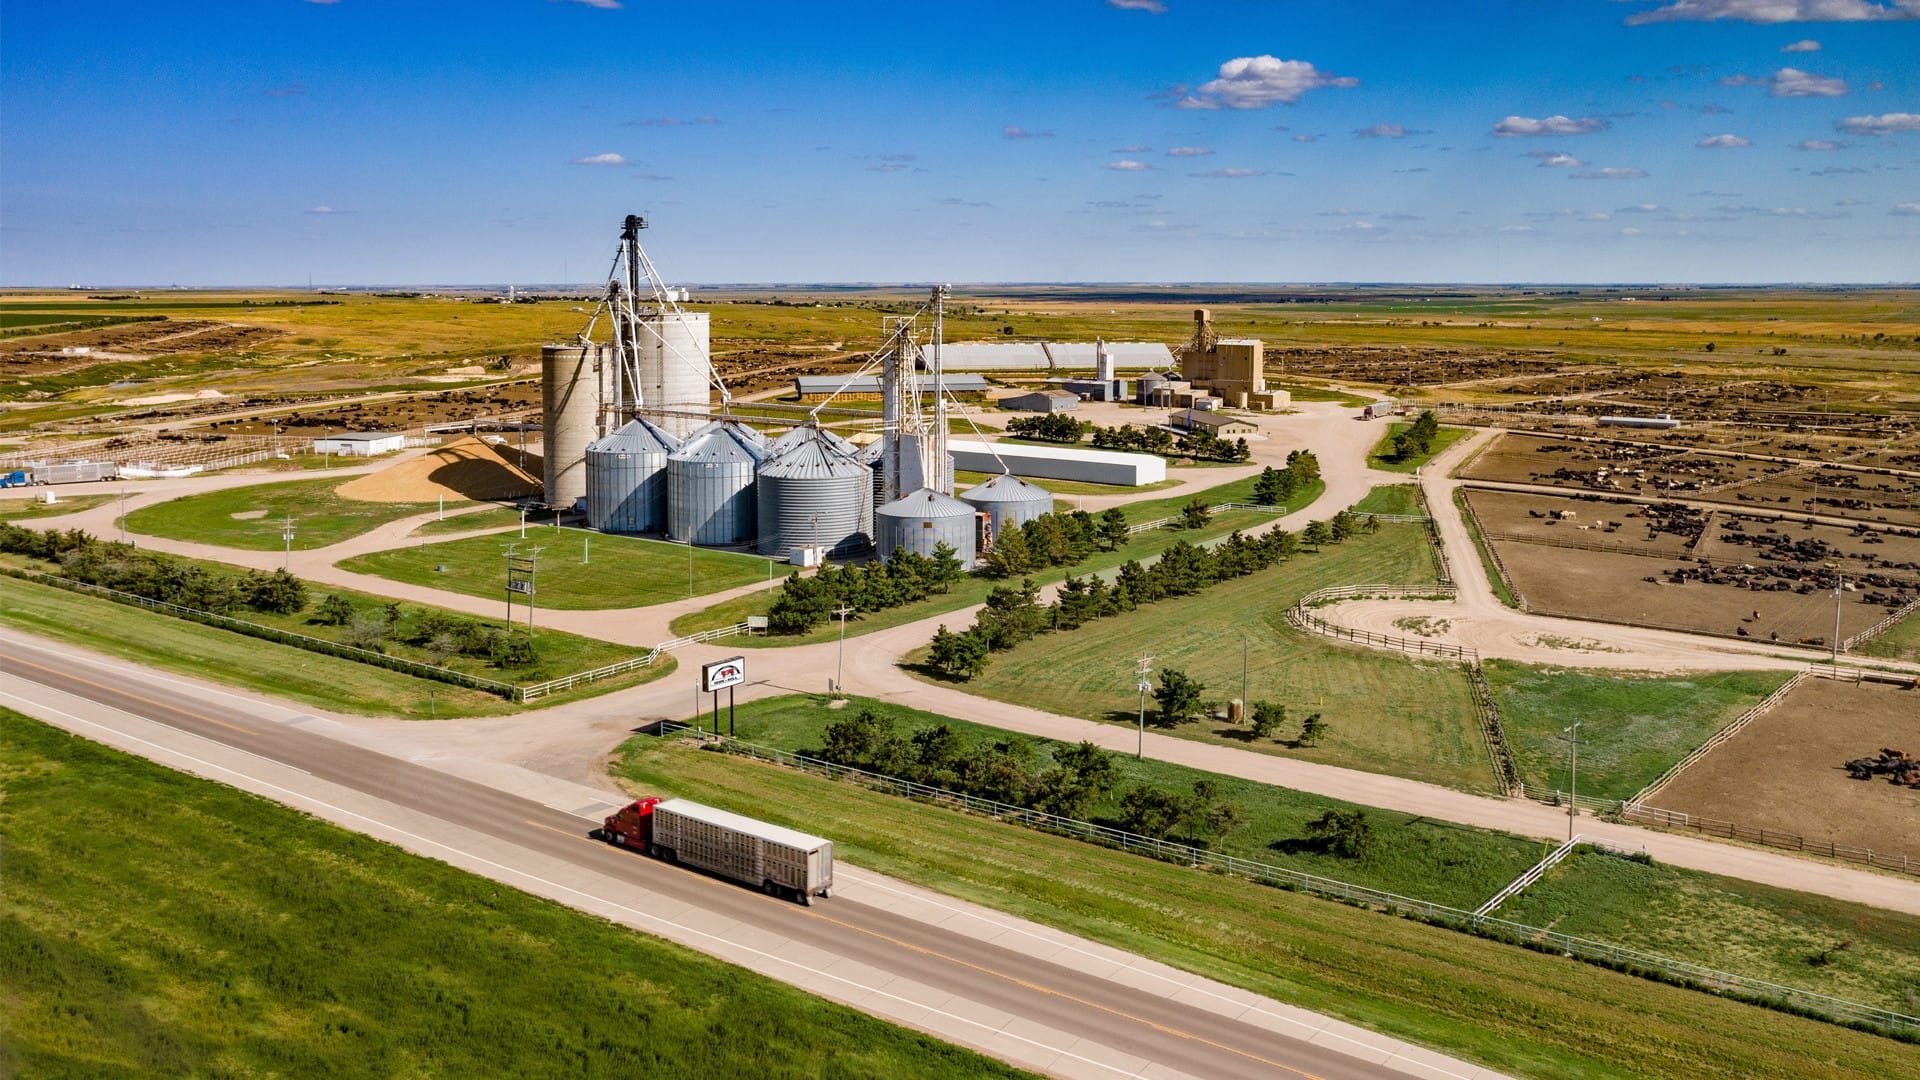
1785, 771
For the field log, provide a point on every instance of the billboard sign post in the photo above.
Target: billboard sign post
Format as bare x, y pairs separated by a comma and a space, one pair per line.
723, 675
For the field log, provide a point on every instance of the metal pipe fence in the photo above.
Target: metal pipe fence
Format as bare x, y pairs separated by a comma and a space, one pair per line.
1301, 616
1599, 952
1733, 727
1785, 841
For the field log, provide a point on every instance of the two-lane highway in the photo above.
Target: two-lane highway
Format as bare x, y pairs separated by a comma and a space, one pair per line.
1074, 1011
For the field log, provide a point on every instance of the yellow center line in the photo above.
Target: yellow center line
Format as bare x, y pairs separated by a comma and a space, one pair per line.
129, 694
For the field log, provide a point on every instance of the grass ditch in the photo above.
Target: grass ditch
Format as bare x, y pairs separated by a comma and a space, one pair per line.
1632, 727
1512, 1009
578, 570
1901, 641
319, 679
320, 516
1383, 713
188, 954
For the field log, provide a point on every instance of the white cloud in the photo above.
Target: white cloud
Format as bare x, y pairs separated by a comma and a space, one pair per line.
1608, 174
322, 210
1554, 159
1012, 132
1151, 7
1642, 208
1517, 229
1515, 126
1134, 150
603, 5
1779, 11
1906, 209
1818, 144
1228, 174
1304, 138
1188, 151
1723, 142
1892, 123
1257, 82
1803, 45
1358, 227
1629, 231
600, 159
1792, 82
1128, 165
1382, 131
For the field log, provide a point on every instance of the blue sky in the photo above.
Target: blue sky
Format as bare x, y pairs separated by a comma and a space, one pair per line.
363, 142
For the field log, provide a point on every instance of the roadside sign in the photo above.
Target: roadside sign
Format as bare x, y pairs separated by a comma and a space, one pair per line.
524, 587
723, 673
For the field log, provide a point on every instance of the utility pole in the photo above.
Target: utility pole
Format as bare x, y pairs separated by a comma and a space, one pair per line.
123, 515
1244, 703
840, 665
1838, 582
1146, 684
286, 533
523, 521
1573, 774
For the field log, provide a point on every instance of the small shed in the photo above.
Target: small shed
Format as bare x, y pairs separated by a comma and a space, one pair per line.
360, 443
1044, 401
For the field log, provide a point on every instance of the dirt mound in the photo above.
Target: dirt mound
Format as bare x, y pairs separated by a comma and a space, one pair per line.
465, 469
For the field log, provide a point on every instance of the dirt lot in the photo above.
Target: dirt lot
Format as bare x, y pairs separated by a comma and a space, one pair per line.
1403, 365
1784, 771
1717, 573
399, 414
1670, 467
39, 355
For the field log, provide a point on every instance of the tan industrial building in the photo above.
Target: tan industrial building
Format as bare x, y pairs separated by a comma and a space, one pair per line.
1233, 369
1213, 423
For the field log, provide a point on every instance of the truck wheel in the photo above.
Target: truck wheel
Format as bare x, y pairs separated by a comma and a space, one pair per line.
769, 887
619, 838
826, 894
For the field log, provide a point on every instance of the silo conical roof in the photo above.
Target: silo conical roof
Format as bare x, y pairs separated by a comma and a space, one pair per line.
926, 503
635, 437
721, 442
1007, 488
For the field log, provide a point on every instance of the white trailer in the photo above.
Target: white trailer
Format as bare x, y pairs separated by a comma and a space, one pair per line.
779, 860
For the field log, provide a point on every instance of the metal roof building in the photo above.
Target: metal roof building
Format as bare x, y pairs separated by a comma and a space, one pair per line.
1058, 462
1046, 356
1043, 401
821, 387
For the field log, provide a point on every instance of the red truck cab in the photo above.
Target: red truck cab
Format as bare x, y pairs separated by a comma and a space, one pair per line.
632, 826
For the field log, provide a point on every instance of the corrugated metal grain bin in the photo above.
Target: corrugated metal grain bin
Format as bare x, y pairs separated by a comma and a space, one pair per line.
627, 479
921, 521
1009, 502
710, 485
815, 490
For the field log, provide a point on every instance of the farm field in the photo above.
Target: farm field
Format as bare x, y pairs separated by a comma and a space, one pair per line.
187, 953
1784, 771
1512, 1009
1901, 641
1850, 951
1383, 713
578, 570
313, 678
250, 518
1633, 727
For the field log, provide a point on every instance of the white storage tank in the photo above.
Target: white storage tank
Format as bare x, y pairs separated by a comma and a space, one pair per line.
627, 479
676, 368
710, 493
921, 521
570, 411
1009, 502
815, 490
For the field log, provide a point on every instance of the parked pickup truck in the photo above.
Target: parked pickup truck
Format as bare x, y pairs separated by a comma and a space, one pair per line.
779, 860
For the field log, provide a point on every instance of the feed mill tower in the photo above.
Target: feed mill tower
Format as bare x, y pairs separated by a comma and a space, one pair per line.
658, 366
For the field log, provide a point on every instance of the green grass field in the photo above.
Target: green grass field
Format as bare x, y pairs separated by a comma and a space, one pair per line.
1417, 857
578, 570
320, 517
1632, 727
1391, 499
1733, 925
1380, 457
498, 517
1512, 1009
167, 945
1901, 641
22, 509
1495, 579
1384, 713
329, 682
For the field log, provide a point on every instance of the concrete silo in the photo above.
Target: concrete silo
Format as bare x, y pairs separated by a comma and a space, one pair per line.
710, 485
676, 368
1009, 502
570, 408
627, 479
921, 521
814, 490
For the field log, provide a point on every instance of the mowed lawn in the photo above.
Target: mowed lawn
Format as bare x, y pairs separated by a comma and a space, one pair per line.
1633, 727
576, 569
1522, 1012
1391, 499
22, 509
1851, 951
208, 932
1415, 856
1383, 712
252, 518
1381, 456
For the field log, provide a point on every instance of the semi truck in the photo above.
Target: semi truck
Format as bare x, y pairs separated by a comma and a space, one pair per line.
775, 859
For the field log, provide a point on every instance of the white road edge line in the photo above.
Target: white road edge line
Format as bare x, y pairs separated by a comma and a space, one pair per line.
646, 916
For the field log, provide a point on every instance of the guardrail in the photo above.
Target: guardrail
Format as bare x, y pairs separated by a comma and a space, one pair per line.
1728, 830
1301, 616
1624, 959
1732, 728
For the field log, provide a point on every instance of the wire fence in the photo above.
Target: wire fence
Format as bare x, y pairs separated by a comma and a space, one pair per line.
1786, 841
1614, 956
1302, 617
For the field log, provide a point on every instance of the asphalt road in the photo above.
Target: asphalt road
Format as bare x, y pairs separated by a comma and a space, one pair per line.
1118, 1015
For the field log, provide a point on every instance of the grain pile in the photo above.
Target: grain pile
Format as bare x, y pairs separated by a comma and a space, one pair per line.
465, 469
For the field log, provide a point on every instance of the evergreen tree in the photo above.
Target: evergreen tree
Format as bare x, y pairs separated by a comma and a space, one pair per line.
1113, 528
1178, 697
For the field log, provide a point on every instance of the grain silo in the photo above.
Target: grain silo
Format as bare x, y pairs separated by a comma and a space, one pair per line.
627, 479
1009, 502
872, 456
710, 485
814, 491
921, 521
676, 368
570, 409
